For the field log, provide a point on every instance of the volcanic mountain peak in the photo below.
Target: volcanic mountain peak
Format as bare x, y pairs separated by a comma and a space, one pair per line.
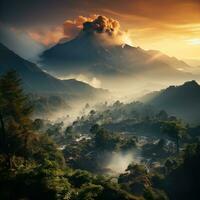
97, 52
102, 31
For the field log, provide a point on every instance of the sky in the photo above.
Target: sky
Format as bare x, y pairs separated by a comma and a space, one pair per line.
171, 26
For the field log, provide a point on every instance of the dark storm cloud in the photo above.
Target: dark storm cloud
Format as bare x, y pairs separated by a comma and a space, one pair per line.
36, 12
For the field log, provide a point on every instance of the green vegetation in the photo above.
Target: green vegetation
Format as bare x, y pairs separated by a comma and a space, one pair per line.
40, 159
31, 167
174, 130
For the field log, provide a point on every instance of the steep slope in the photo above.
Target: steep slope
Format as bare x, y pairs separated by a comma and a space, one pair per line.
182, 101
37, 81
34, 79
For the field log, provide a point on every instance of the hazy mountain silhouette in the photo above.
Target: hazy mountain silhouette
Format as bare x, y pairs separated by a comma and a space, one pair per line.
182, 101
99, 55
37, 81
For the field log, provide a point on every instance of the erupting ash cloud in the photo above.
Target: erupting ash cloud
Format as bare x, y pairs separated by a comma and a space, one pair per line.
68, 30
103, 24
108, 30
71, 28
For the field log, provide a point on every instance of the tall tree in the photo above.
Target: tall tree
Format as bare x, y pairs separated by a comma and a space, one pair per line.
15, 111
174, 130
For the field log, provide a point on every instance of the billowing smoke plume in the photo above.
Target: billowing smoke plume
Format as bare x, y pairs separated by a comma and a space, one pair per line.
71, 28
67, 31
103, 24
108, 29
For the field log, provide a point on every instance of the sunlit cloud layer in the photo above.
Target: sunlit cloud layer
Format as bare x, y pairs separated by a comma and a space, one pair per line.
171, 26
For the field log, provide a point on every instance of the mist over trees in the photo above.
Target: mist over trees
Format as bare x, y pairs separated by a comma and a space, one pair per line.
42, 159
95, 117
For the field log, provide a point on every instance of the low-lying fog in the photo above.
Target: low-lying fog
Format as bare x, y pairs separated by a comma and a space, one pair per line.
130, 88
125, 90
117, 162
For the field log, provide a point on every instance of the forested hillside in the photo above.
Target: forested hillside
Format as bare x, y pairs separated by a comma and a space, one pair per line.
44, 160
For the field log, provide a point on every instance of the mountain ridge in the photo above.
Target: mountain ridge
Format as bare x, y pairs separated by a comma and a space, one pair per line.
182, 101
90, 53
37, 81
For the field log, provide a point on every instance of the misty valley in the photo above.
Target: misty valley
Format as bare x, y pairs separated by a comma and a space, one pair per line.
95, 118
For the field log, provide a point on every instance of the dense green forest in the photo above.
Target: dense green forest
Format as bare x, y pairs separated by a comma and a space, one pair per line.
40, 159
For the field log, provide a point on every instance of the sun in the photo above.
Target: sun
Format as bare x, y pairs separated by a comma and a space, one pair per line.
127, 40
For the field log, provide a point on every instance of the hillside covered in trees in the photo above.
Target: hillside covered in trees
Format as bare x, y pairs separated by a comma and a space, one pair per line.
114, 152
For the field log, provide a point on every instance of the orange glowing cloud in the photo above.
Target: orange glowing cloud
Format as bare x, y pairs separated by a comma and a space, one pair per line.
47, 37
174, 30
67, 31
72, 28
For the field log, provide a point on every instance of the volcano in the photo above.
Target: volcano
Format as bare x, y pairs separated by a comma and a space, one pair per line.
95, 52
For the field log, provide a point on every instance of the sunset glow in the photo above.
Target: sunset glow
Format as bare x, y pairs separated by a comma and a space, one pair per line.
195, 41
172, 27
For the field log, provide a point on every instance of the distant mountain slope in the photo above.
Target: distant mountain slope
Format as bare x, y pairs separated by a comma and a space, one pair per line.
172, 61
81, 87
37, 81
182, 101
